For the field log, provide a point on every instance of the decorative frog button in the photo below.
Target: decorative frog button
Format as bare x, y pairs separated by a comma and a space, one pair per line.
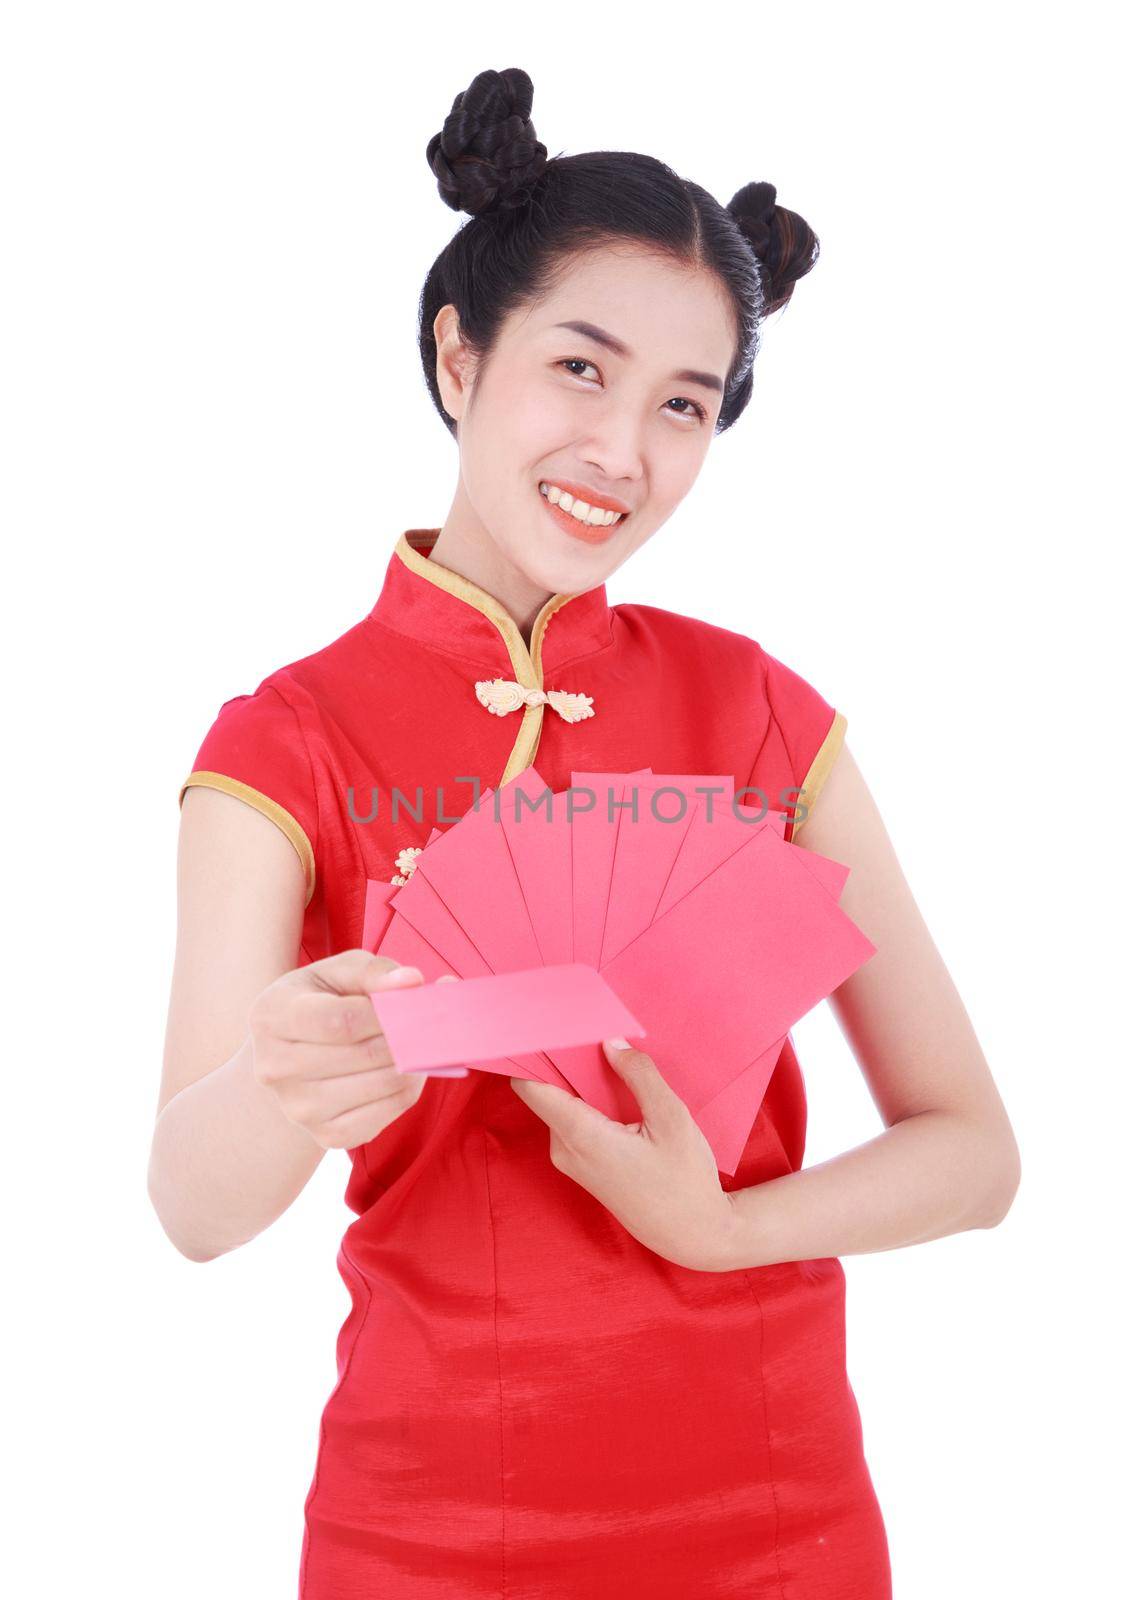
503, 695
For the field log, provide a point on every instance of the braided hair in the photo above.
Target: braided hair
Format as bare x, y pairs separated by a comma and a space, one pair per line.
487, 156
529, 212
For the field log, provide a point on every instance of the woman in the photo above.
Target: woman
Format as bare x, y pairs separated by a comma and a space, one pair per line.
578, 1361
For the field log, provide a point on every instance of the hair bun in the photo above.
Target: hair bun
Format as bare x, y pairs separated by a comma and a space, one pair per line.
754, 210
783, 243
487, 157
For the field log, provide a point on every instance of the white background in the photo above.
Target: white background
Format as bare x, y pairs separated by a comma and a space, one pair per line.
218, 219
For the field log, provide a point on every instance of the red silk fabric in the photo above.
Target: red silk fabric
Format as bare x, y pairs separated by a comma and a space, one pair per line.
531, 1405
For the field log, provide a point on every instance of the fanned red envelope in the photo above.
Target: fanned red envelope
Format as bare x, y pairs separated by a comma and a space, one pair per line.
707, 926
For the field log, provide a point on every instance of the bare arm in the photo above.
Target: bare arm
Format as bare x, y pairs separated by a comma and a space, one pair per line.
225, 1162
266, 1065
948, 1160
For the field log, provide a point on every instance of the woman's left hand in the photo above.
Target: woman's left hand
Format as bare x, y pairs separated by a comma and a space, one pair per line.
657, 1176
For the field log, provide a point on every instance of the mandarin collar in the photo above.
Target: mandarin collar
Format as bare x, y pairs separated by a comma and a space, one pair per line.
428, 602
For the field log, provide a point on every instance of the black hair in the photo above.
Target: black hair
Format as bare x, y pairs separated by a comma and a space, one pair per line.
529, 213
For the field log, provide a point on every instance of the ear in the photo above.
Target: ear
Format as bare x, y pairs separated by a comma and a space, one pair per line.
454, 362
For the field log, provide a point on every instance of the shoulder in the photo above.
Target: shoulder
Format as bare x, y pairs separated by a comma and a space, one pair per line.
679, 635
321, 677
263, 747
661, 623
802, 730
789, 696
255, 750
277, 727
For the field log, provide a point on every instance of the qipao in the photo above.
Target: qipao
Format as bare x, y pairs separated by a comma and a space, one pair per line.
529, 1404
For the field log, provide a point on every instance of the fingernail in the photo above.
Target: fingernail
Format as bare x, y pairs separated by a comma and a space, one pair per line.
404, 975
618, 1044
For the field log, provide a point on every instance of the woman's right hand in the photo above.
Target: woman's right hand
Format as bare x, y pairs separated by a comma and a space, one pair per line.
318, 1047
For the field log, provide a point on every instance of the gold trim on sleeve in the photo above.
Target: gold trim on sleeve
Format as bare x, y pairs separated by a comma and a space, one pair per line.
278, 814
527, 663
821, 766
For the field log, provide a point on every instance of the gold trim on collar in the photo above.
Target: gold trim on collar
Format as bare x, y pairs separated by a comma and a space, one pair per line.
527, 663
821, 766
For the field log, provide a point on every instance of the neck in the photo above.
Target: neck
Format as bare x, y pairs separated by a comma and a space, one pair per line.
465, 546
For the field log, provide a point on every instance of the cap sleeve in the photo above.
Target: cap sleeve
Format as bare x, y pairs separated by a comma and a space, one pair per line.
255, 750
811, 730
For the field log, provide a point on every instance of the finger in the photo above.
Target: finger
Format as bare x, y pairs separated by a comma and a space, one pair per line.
353, 1128
351, 972
570, 1117
319, 1016
302, 1059
659, 1103
327, 1099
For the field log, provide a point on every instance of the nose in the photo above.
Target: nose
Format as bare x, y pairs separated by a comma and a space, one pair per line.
615, 448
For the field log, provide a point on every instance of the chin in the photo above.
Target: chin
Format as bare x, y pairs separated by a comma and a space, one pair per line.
554, 575
575, 568
545, 563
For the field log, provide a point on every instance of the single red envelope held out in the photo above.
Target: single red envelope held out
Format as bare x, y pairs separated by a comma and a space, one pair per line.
481, 1021
644, 905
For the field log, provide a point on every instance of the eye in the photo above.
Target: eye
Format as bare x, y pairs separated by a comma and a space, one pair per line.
702, 414
578, 361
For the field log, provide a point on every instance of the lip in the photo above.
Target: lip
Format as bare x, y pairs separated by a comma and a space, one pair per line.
582, 491
579, 530
587, 533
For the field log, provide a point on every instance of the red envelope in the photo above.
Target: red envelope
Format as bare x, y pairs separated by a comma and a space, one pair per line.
647, 848
703, 921
479, 1021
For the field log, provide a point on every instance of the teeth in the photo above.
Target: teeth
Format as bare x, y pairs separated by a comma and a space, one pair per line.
595, 516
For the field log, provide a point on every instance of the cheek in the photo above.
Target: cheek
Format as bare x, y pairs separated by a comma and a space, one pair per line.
522, 423
503, 461
676, 468
548, 419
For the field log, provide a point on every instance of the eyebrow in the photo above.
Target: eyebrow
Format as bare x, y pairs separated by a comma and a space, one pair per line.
590, 330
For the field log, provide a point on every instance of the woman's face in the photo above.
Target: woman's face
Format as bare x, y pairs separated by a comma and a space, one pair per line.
610, 385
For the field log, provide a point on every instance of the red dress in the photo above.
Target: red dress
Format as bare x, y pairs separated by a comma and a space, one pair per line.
530, 1404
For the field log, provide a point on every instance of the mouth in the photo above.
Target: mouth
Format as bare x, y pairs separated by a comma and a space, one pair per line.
590, 518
